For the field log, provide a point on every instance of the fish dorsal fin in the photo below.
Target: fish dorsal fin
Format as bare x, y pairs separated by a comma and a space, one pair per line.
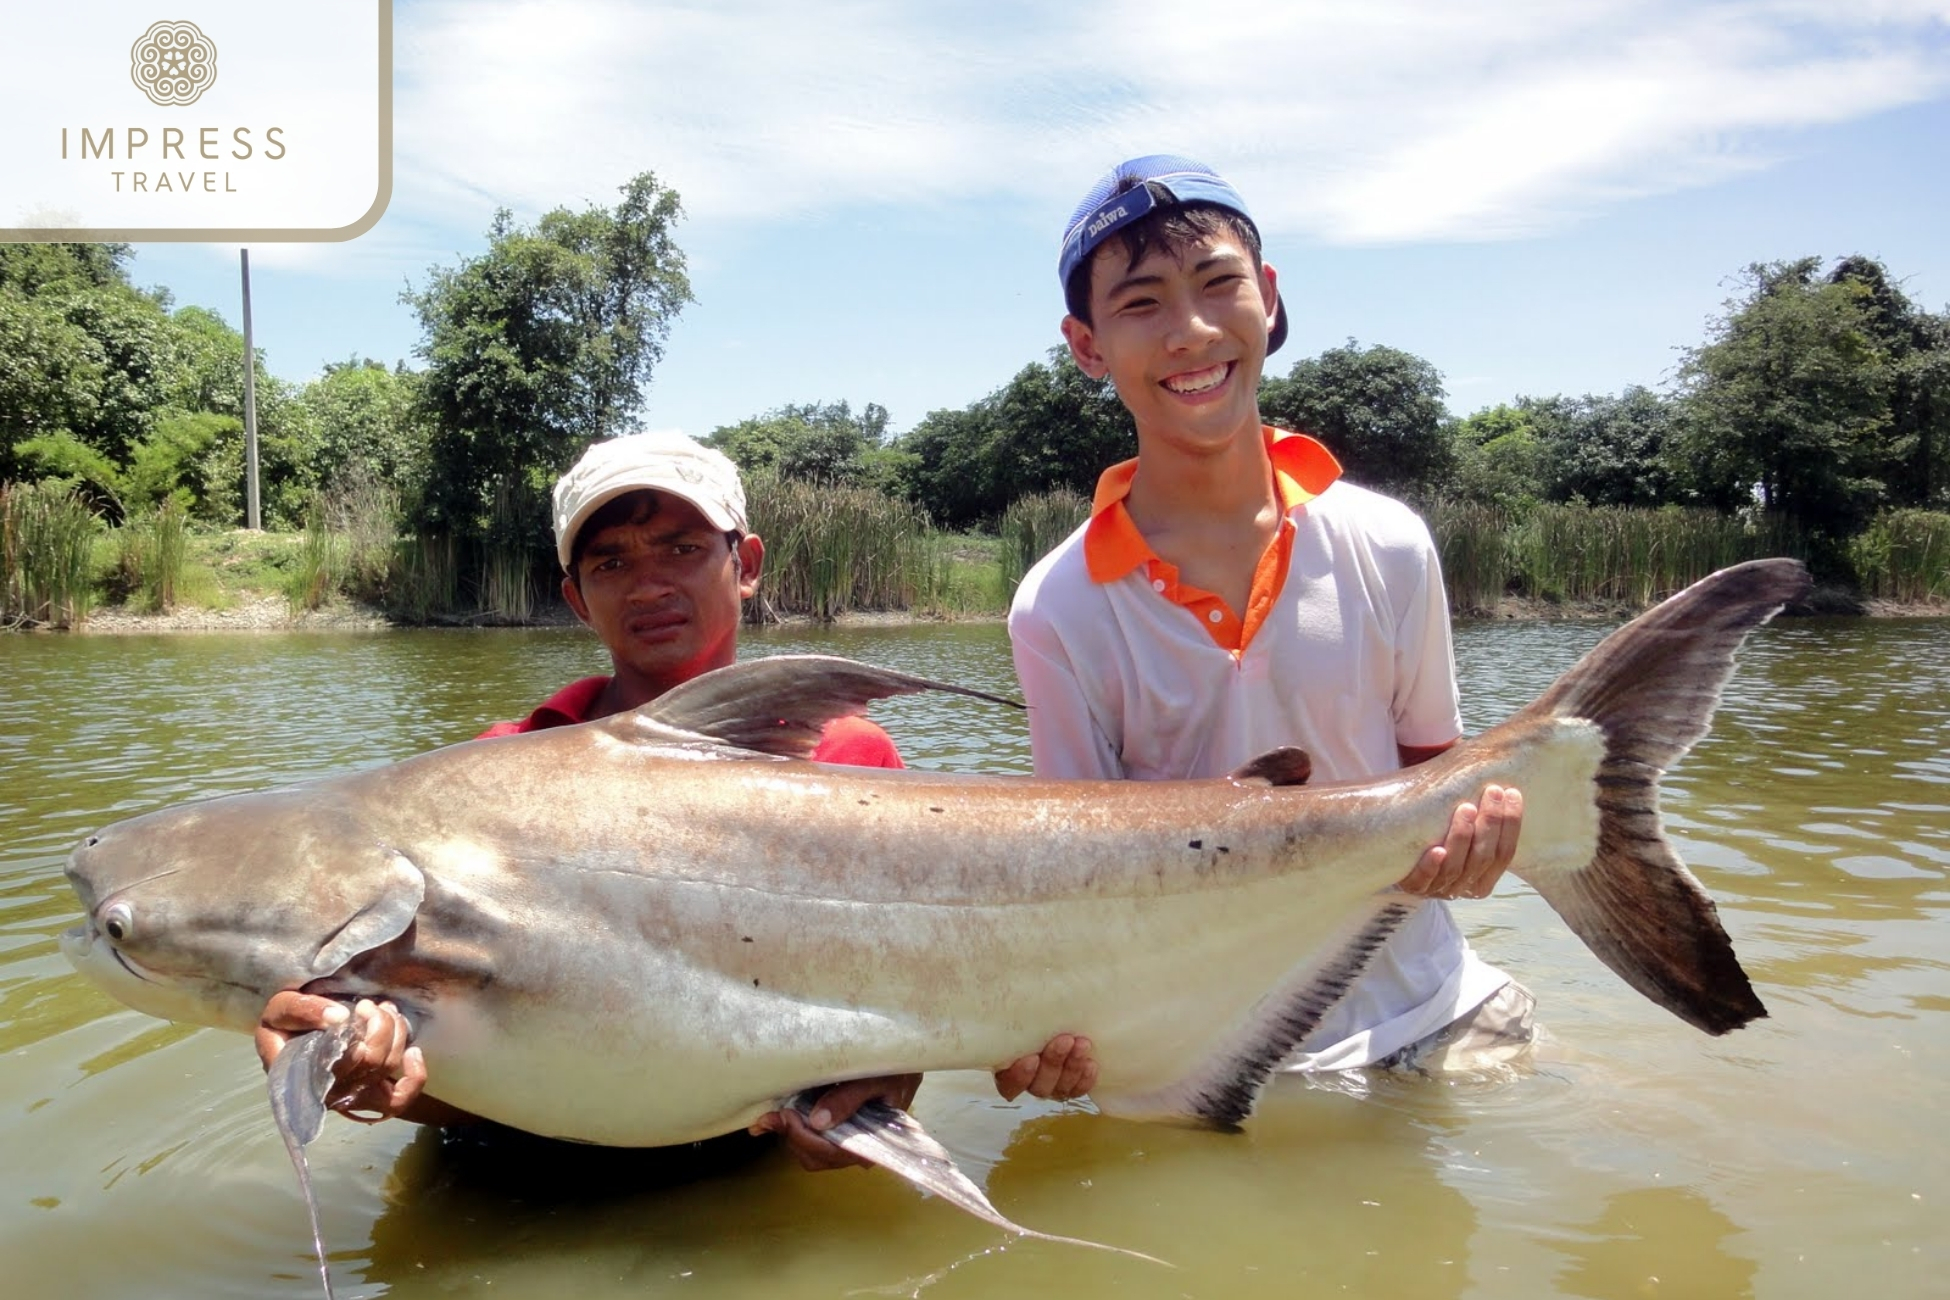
1287, 765
781, 704
388, 903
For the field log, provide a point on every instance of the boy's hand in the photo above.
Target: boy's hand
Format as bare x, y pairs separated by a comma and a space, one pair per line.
380, 1078
1480, 844
805, 1138
1064, 1069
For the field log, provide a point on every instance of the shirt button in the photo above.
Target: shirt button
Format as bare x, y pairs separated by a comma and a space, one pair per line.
1215, 616
1157, 584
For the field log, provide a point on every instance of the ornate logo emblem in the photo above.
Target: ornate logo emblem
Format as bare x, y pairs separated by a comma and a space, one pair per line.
173, 63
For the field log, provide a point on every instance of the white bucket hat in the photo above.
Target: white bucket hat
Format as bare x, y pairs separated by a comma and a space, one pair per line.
660, 462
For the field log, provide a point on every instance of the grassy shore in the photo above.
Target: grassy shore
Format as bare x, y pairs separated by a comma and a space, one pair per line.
237, 582
847, 554
242, 581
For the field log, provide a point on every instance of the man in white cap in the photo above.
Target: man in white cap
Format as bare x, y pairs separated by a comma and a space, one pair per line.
658, 557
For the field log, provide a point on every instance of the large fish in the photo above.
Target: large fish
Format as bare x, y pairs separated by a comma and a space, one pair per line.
670, 910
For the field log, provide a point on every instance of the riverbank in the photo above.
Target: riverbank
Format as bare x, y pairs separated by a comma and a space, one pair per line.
264, 613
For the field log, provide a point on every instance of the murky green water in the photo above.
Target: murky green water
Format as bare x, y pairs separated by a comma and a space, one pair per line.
1808, 1156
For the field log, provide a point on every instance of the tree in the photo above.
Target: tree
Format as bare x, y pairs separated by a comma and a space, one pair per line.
949, 473
1052, 426
365, 427
1499, 457
31, 269
1379, 410
1788, 402
1917, 345
819, 443
1605, 451
50, 377
540, 346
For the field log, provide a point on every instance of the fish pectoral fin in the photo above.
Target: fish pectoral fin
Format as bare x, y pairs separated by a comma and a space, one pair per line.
777, 705
299, 1080
301, 1076
893, 1139
1287, 765
392, 899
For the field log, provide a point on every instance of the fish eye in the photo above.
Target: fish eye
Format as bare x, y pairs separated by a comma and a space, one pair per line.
119, 922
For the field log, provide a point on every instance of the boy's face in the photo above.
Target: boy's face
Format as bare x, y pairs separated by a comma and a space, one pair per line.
1182, 335
664, 594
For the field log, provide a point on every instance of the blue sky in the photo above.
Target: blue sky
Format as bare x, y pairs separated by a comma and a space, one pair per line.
1537, 197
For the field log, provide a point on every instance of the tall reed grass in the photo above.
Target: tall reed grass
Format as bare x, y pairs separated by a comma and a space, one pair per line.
1032, 526
1904, 555
47, 535
151, 554
314, 573
423, 578
1474, 543
364, 511
506, 591
831, 549
1635, 557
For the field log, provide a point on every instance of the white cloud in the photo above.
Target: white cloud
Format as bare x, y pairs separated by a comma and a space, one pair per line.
1393, 120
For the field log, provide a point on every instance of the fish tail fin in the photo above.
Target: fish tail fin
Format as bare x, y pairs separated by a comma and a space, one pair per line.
1651, 688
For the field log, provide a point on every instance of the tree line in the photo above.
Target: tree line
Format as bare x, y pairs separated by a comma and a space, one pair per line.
1819, 395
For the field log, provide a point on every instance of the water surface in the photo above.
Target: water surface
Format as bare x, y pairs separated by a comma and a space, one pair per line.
1805, 1156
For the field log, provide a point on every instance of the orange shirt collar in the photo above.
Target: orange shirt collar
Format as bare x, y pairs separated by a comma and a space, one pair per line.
1113, 546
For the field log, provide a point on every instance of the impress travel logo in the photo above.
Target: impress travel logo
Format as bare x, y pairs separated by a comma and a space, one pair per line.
173, 63
115, 123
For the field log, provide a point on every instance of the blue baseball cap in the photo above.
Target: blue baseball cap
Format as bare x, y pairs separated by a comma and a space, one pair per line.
1130, 191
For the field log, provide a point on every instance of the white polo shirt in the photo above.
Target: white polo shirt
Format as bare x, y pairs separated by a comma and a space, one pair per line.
1343, 650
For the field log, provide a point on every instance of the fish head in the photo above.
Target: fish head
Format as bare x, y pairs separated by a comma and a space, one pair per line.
200, 913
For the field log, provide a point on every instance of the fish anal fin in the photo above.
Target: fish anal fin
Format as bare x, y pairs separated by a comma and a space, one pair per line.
1225, 1087
889, 1137
1287, 765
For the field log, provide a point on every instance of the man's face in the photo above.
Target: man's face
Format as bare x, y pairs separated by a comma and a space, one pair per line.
1182, 335
664, 593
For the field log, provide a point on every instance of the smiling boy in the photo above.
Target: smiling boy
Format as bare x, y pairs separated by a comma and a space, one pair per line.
1230, 594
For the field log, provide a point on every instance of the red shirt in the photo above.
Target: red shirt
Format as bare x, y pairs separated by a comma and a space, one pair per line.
853, 742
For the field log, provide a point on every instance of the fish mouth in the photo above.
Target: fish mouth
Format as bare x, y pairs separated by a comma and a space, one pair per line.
76, 940
78, 945
132, 968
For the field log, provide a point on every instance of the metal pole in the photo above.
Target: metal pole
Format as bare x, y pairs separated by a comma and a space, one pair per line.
253, 518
